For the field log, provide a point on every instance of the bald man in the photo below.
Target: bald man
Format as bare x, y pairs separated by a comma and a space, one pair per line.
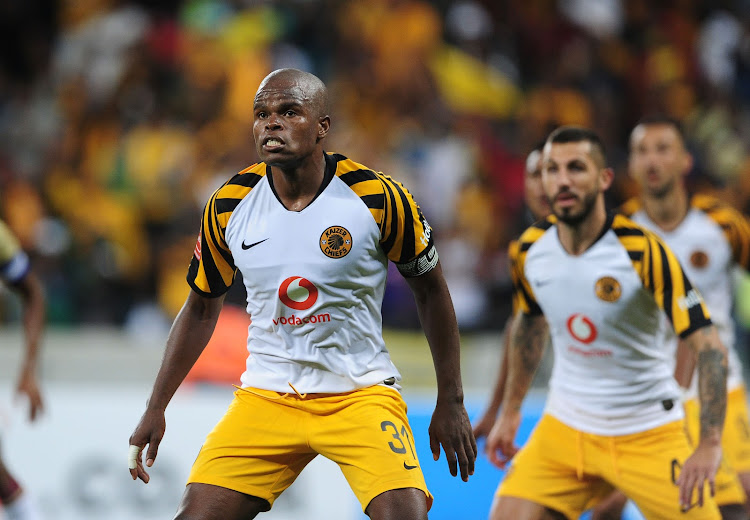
312, 233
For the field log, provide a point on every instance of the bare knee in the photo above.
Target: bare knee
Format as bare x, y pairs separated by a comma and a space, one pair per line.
207, 502
398, 504
505, 507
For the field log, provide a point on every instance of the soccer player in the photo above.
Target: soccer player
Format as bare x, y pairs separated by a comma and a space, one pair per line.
537, 207
709, 239
312, 233
599, 283
16, 273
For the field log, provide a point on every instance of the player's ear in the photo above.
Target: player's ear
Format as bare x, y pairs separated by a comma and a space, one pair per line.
324, 125
606, 177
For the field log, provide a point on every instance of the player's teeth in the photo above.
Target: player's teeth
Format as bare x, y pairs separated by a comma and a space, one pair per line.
273, 142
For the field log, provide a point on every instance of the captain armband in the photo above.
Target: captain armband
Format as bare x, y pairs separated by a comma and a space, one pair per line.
422, 264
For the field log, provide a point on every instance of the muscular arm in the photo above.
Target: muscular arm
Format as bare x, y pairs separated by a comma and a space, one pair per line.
702, 465
528, 340
684, 364
712, 380
526, 349
34, 306
484, 424
189, 335
450, 425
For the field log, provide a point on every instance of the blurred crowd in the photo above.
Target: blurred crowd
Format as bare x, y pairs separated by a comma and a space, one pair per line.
119, 118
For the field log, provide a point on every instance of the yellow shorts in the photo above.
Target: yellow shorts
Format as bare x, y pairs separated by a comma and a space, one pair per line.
735, 441
567, 470
266, 438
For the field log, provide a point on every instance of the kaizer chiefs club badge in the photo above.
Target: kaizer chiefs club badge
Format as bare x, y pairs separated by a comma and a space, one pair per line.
699, 259
608, 289
336, 242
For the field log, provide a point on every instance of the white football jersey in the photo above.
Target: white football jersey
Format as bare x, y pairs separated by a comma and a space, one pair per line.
711, 240
314, 278
611, 374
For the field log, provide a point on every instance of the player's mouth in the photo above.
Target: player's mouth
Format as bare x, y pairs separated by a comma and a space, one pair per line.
272, 144
566, 199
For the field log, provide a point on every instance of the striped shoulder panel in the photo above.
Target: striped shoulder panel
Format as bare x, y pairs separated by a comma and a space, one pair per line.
630, 207
404, 232
366, 183
212, 267
523, 295
635, 240
662, 275
534, 232
735, 226
235, 189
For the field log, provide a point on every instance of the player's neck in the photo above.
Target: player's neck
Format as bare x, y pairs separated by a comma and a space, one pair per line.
297, 186
667, 211
576, 239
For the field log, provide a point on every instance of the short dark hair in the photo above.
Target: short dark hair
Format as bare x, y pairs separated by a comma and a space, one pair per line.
663, 119
577, 134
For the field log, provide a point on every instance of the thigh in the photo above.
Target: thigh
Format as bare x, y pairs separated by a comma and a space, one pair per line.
735, 444
258, 448
367, 434
549, 471
646, 466
736, 437
209, 502
398, 504
505, 507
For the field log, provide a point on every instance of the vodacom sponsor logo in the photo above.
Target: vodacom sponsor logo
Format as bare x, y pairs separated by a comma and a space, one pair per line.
582, 328
298, 293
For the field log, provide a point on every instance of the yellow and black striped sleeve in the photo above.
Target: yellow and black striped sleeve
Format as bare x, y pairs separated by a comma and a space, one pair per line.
523, 296
405, 236
212, 268
662, 275
735, 226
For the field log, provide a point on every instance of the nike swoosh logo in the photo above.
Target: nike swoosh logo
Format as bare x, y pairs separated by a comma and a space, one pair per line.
245, 246
406, 466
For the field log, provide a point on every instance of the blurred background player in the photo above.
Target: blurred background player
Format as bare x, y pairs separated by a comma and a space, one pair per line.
537, 208
597, 282
710, 239
15, 271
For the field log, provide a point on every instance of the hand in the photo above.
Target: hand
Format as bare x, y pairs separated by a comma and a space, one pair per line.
451, 428
28, 386
500, 446
150, 430
698, 469
485, 423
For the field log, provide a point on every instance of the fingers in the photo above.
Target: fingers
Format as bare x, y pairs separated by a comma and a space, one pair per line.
689, 481
434, 446
499, 456
134, 460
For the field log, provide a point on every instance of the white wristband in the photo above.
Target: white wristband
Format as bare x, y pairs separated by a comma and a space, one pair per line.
133, 453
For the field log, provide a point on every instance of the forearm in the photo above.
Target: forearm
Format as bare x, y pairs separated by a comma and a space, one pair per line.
498, 391
684, 364
712, 382
189, 335
34, 312
438, 320
526, 348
